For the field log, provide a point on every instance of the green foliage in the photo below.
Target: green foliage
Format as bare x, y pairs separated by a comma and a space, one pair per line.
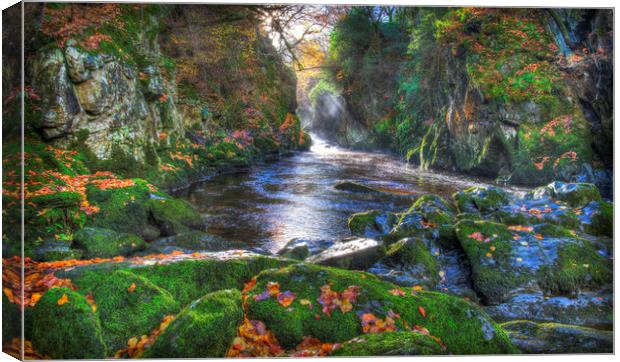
67, 331
324, 86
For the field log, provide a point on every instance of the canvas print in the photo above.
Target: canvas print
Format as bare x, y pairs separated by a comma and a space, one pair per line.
294, 180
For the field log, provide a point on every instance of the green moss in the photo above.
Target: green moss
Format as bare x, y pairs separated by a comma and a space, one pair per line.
577, 194
173, 216
492, 272
578, 266
603, 220
389, 344
68, 331
106, 243
206, 328
444, 314
413, 251
125, 314
373, 221
188, 281
480, 199
430, 216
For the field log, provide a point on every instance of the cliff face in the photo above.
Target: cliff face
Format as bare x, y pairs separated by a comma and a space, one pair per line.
136, 83
523, 95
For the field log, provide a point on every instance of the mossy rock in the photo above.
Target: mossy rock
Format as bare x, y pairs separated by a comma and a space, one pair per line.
11, 320
106, 243
194, 241
503, 261
351, 253
67, 331
123, 210
355, 187
480, 199
603, 220
174, 216
128, 305
442, 313
547, 338
413, 252
492, 271
58, 200
389, 344
204, 329
575, 194
431, 202
372, 223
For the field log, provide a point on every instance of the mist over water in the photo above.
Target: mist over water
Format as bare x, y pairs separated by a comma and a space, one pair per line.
295, 197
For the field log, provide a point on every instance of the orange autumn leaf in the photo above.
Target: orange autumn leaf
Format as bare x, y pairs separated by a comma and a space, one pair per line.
539, 236
131, 288
63, 300
422, 311
397, 292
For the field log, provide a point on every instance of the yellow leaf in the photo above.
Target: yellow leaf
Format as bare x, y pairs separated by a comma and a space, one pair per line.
64, 299
489, 255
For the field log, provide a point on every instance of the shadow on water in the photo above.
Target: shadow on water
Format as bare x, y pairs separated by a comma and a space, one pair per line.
295, 196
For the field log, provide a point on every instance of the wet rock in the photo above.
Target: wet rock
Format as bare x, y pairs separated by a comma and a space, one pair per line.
548, 338
173, 216
193, 241
354, 187
302, 248
372, 223
429, 217
106, 243
56, 250
506, 260
602, 218
373, 299
389, 344
351, 253
585, 308
414, 256
575, 194
481, 199
205, 328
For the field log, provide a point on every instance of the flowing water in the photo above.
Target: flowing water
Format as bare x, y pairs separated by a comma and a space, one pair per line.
295, 196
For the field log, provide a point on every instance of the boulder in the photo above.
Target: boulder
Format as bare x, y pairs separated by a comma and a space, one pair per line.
106, 243
575, 194
429, 217
204, 329
128, 305
351, 253
335, 306
193, 241
301, 248
355, 187
551, 338
480, 199
173, 216
66, 327
372, 224
504, 261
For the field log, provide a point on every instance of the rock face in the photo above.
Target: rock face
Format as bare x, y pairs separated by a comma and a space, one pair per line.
470, 95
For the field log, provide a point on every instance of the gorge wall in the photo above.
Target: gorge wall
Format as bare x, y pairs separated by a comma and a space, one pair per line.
523, 95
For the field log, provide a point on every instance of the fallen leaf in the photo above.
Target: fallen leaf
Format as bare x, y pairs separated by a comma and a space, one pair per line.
131, 288
64, 299
397, 292
422, 311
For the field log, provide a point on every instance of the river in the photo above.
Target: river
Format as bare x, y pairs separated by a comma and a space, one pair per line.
295, 197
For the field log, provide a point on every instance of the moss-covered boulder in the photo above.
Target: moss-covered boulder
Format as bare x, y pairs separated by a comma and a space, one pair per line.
503, 260
193, 241
372, 223
173, 216
548, 338
389, 344
350, 253
65, 326
413, 255
355, 187
106, 243
430, 216
602, 220
575, 194
128, 305
336, 305
480, 199
204, 329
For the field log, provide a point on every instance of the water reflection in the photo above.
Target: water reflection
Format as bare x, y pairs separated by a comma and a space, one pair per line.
295, 197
